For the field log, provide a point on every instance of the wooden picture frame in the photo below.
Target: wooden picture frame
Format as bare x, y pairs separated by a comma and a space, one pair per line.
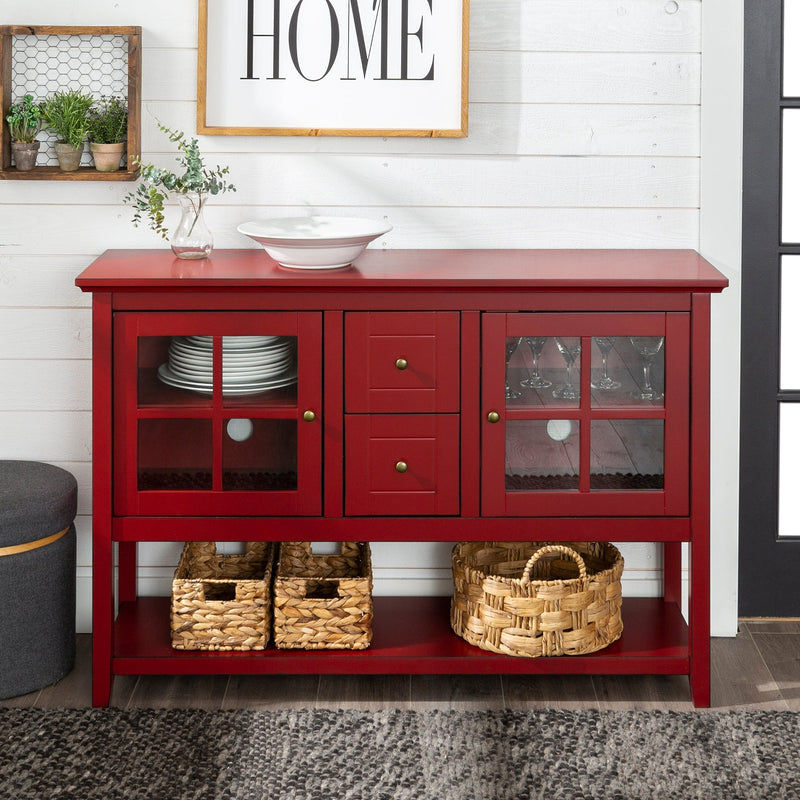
333, 68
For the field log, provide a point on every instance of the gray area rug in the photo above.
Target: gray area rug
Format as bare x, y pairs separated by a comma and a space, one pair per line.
106, 754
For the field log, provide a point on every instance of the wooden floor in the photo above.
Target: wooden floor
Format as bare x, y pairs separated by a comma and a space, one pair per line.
759, 669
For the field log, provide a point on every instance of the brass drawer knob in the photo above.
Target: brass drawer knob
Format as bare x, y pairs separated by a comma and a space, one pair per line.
401, 466
309, 416
401, 363
493, 416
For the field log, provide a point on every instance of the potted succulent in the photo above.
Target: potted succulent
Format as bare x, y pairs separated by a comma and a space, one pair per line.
67, 115
108, 128
192, 238
24, 123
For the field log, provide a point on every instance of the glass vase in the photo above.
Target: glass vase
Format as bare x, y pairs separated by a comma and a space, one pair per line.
192, 238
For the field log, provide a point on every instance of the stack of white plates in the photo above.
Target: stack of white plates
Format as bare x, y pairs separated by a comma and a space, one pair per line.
250, 364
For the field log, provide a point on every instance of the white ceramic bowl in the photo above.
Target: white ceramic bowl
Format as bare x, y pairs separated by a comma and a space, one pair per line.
314, 242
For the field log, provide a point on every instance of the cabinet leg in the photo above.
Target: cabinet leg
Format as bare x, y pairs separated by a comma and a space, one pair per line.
700, 622
672, 572
102, 617
127, 571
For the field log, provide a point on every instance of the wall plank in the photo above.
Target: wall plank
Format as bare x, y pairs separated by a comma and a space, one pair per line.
45, 333
29, 281
571, 25
513, 76
584, 129
45, 386
418, 180
46, 435
576, 26
440, 227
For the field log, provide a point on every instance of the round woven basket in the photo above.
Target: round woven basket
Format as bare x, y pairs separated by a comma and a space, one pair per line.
537, 598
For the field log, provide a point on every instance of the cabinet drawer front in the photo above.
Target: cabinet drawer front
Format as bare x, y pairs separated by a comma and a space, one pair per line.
402, 465
402, 362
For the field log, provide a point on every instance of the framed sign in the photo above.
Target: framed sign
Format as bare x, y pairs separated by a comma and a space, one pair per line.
333, 67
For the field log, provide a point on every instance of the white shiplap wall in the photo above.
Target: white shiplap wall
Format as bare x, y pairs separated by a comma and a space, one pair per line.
584, 132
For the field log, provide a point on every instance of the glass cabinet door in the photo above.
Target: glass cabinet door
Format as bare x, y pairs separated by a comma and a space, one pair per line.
585, 413
218, 413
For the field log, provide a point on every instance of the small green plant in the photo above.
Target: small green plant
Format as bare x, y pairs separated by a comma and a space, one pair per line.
195, 183
25, 120
108, 120
67, 115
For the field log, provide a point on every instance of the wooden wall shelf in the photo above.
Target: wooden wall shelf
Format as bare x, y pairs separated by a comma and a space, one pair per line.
133, 36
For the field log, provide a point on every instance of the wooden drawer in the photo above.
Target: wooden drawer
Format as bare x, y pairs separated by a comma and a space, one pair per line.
402, 465
402, 362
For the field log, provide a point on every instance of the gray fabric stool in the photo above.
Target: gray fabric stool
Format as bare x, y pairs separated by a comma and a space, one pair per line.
37, 575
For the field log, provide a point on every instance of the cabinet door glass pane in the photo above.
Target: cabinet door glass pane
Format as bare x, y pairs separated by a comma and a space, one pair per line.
256, 370
627, 370
259, 370
542, 455
627, 454
259, 455
175, 454
161, 379
543, 371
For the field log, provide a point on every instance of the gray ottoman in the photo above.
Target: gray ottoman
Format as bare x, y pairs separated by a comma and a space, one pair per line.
37, 575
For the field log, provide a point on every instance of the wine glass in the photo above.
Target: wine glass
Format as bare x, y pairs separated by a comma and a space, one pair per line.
570, 349
535, 380
648, 348
511, 346
605, 383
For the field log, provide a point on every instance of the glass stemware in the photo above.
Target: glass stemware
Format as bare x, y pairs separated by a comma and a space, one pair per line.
511, 347
570, 349
648, 348
535, 380
605, 382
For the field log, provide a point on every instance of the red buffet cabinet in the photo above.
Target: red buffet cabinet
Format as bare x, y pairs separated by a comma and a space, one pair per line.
418, 395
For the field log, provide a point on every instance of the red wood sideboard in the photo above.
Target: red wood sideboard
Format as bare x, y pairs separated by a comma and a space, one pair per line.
420, 410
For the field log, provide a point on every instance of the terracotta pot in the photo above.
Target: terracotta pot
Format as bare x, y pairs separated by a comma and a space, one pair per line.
24, 155
69, 157
107, 157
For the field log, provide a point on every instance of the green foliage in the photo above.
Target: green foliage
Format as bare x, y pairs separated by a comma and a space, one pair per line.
195, 182
67, 115
25, 119
108, 120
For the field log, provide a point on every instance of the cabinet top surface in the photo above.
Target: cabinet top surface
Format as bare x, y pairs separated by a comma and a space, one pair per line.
237, 270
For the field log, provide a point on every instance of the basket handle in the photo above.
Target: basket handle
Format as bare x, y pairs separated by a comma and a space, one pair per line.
553, 548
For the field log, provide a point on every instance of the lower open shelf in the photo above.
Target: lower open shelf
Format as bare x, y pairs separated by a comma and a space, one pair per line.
412, 635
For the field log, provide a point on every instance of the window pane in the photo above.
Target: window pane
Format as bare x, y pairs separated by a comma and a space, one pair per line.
789, 476
790, 183
790, 322
791, 52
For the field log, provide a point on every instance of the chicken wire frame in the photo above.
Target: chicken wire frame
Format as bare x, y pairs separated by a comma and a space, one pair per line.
131, 49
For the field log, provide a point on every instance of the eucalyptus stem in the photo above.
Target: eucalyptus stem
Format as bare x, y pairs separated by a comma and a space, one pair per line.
158, 184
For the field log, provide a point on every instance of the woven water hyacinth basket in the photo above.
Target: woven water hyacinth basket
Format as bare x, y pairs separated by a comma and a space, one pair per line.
537, 598
323, 601
222, 602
